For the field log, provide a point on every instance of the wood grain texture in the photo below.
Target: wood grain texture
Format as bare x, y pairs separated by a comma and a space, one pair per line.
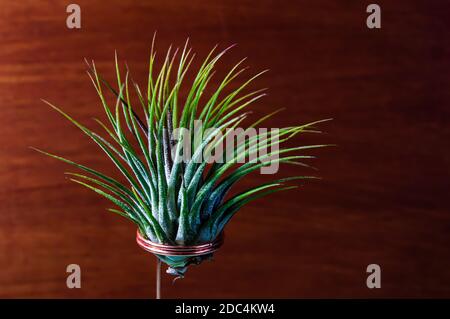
383, 197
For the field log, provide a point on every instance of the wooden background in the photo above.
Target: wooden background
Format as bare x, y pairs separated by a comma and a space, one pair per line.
384, 194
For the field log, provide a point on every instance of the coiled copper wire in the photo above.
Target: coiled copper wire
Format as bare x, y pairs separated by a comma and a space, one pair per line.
172, 250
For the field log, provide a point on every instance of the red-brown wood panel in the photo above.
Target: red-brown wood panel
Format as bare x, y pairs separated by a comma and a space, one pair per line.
383, 198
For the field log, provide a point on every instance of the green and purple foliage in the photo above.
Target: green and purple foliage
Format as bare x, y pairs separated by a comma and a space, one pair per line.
173, 201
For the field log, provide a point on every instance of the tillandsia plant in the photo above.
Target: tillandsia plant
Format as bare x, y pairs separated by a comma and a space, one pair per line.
176, 188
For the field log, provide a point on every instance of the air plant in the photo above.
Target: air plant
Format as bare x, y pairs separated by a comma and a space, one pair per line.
175, 200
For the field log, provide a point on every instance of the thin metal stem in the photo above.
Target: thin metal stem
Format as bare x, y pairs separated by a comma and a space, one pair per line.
158, 278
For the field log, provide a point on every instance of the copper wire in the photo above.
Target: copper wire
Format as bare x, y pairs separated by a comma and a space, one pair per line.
173, 250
